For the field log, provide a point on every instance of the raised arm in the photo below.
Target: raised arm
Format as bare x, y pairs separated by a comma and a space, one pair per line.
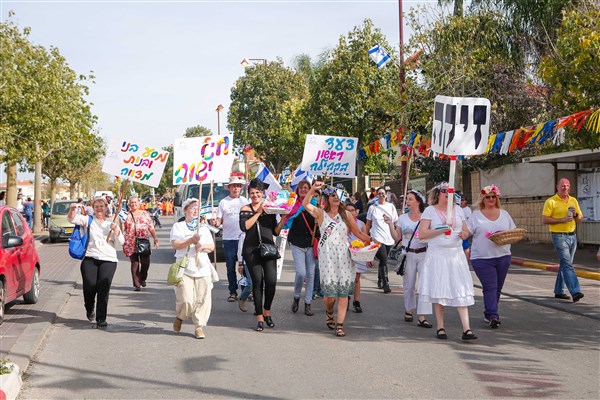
316, 212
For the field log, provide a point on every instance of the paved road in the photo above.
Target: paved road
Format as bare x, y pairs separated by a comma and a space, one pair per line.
545, 347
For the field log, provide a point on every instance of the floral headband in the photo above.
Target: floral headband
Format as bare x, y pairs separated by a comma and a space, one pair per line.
440, 185
491, 189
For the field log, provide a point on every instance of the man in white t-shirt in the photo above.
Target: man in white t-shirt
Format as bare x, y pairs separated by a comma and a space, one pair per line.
228, 214
379, 230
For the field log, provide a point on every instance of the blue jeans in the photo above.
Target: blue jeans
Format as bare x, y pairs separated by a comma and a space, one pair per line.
230, 247
248, 288
565, 246
304, 262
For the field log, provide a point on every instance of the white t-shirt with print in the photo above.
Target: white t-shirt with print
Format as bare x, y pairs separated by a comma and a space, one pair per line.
482, 246
408, 226
98, 247
229, 211
181, 231
380, 230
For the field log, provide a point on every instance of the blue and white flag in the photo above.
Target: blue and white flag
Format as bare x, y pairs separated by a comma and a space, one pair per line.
267, 177
379, 56
298, 176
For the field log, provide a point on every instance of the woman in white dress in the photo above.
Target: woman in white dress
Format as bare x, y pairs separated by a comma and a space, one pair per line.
406, 227
335, 265
445, 279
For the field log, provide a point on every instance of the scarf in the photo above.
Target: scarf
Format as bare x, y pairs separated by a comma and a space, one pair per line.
296, 210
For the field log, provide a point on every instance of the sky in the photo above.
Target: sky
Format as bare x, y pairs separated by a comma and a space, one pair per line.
163, 66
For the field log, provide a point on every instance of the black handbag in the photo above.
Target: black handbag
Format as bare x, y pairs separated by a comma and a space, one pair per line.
142, 245
397, 255
268, 251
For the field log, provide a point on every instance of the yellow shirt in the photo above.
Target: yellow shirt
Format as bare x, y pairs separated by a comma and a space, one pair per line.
555, 207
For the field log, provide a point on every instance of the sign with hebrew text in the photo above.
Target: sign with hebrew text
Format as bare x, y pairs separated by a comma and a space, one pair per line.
334, 155
461, 125
131, 160
202, 159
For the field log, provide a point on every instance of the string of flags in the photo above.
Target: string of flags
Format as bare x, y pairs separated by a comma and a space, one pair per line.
500, 143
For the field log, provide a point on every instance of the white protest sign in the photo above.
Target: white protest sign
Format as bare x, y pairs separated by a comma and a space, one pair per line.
461, 125
202, 159
134, 161
333, 155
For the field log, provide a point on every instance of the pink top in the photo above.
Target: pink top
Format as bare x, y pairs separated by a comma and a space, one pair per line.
137, 229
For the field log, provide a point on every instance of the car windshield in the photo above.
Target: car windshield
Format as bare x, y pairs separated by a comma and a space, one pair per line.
219, 193
61, 208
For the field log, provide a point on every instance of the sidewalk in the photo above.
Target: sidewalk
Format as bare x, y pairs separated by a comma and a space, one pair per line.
543, 256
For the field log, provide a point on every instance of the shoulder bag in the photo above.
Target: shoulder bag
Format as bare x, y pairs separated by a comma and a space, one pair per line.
78, 243
398, 255
315, 243
142, 245
176, 270
268, 251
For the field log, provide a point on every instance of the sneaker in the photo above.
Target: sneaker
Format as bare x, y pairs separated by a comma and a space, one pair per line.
577, 297
177, 324
357, 307
101, 324
494, 323
242, 306
199, 333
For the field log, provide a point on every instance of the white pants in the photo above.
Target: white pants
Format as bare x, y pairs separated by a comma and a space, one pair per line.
414, 265
193, 298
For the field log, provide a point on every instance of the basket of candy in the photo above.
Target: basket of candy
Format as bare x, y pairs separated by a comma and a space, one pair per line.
279, 202
510, 236
360, 252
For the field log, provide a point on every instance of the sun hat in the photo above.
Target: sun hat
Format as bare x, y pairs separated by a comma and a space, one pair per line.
236, 179
188, 202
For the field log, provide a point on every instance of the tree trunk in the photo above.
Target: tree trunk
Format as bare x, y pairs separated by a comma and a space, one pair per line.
52, 190
72, 190
37, 196
11, 184
458, 8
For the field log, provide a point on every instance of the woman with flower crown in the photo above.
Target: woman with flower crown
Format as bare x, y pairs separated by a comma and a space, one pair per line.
489, 260
445, 280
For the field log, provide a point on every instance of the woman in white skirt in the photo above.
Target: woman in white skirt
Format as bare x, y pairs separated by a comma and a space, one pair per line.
405, 229
445, 279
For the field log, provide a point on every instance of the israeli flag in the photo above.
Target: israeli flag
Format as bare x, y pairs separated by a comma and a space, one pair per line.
379, 56
266, 176
298, 176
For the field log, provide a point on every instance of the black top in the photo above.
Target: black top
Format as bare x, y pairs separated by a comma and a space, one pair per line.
267, 222
359, 206
299, 234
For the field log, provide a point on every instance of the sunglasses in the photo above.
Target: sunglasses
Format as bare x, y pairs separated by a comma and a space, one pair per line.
443, 190
490, 196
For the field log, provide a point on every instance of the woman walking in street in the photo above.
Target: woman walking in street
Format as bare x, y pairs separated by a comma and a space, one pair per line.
381, 232
100, 262
445, 279
336, 266
138, 226
407, 231
490, 261
193, 295
259, 227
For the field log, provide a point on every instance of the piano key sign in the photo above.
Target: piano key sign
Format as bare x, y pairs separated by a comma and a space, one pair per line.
133, 160
333, 155
461, 125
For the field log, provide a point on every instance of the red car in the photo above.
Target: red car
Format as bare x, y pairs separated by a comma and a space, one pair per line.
19, 260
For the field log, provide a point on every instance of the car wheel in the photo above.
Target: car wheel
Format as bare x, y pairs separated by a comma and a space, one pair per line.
2, 298
33, 295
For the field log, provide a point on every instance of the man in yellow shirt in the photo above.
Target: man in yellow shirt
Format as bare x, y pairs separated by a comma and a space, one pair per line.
561, 212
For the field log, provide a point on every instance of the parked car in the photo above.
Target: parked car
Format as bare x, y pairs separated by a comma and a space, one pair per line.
59, 227
19, 260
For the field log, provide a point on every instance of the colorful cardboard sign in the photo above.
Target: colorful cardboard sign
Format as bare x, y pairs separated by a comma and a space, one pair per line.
461, 125
334, 155
134, 161
202, 159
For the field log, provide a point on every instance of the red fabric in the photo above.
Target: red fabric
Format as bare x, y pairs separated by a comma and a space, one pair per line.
139, 229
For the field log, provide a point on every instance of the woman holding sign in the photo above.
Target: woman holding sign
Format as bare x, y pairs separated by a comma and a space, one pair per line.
445, 279
336, 267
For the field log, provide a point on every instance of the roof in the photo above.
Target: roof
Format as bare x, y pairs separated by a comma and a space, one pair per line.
575, 156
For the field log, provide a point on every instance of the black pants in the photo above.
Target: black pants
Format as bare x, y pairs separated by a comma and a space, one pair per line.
263, 273
139, 268
382, 256
97, 277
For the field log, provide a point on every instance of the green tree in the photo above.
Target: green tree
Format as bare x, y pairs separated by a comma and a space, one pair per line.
350, 96
266, 113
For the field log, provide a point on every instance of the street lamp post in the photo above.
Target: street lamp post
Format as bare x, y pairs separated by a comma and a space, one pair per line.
246, 61
218, 110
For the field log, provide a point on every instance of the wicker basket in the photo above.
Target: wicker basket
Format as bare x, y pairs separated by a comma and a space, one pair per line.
276, 210
510, 236
363, 255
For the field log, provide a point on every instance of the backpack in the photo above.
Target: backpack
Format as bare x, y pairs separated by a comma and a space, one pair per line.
78, 243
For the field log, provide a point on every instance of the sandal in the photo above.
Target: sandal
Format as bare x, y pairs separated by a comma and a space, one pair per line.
339, 330
441, 334
330, 322
260, 326
408, 317
424, 324
232, 297
269, 321
469, 335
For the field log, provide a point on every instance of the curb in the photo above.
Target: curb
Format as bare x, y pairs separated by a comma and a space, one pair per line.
554, 268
